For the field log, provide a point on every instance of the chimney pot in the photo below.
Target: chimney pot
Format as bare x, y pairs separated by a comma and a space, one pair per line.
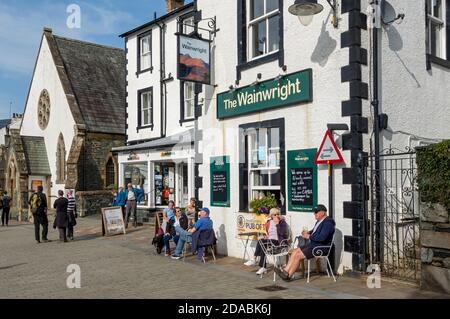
173, 5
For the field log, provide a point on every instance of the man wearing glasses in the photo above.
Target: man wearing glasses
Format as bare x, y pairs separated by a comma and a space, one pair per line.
321, 235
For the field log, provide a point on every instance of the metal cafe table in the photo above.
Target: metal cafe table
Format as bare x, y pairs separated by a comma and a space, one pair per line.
245, 238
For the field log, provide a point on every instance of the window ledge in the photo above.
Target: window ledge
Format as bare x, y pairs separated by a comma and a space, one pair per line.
259, 61
439, 61
140, 128
186, 121
144, 71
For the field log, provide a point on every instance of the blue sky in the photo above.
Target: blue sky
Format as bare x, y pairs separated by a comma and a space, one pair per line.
22, 21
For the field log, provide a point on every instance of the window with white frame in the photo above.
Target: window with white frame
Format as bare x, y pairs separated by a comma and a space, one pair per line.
264, 163
146, 107
145, 54
436, 28
188, 25
189, 100
263, 27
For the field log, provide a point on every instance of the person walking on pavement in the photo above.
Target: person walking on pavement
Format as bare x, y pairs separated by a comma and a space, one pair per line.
5, 203
38, 205
61, 220
133, 197
71, 214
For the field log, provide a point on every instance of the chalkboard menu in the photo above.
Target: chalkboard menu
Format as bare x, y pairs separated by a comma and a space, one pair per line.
302, 180
220, 181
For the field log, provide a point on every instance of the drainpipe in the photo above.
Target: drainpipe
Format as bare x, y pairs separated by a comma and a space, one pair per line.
376, 128
162, 72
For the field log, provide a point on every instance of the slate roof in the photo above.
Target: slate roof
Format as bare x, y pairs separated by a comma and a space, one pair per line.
97, 77
4, 123
36, 155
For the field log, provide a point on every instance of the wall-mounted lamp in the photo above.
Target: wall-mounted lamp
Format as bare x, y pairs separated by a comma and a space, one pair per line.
281, 76
258, 78
306, 9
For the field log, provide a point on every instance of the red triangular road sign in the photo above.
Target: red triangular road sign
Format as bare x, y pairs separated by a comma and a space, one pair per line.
328, 151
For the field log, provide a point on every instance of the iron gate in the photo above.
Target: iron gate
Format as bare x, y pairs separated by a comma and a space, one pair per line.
393, 215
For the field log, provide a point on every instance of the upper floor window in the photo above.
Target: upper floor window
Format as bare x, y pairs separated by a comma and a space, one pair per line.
263, 27
189, 100
437, 28
145, 52
146, 107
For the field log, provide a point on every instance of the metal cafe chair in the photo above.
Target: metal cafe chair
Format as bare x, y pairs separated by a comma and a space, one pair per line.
323, 252
274, 253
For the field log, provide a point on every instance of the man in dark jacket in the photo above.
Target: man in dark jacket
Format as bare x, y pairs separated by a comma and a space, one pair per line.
38, 205
62, 219
321, 235
179, 220
5, 203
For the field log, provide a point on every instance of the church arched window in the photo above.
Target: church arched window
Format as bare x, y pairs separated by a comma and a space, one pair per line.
61, 161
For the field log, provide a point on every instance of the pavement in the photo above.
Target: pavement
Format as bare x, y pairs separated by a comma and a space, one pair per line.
127, 266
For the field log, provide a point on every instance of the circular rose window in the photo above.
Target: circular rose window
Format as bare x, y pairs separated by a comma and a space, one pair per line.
44, 109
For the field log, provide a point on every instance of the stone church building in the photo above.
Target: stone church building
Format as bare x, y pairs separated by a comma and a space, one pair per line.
74, 115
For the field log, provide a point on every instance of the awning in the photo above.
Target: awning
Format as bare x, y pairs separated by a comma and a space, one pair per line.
186, 137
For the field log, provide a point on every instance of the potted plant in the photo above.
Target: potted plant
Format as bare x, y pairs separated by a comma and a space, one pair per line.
264, 204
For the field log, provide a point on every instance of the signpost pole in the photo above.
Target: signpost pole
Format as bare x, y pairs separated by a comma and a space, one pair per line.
330, 189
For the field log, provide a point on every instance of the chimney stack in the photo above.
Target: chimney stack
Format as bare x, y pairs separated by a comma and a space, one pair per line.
173, 5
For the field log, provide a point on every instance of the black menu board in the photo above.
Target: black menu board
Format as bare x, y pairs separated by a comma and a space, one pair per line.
302, 180
220, 181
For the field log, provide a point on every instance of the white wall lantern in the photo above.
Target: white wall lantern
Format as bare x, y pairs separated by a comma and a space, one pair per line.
306, 9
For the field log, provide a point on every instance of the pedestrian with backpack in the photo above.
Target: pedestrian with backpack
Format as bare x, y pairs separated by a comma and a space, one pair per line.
38, 205
5, 203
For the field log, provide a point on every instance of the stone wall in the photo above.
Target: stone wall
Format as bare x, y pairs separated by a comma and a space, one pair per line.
86, 165
91, 202
435, 242
98, 148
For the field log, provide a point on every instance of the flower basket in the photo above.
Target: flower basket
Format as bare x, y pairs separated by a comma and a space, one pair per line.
264, 204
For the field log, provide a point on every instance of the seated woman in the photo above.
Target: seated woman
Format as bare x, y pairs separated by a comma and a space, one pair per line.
321, 235
179, 220
276, 232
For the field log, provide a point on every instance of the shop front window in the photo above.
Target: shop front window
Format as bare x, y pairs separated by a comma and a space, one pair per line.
164, 183
262, 160
264, 164
137, 175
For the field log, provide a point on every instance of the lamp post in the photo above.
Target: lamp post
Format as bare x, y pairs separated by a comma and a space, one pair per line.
306, 9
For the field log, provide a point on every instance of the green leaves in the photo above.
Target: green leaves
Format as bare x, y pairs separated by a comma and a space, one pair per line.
264, 204
433, 163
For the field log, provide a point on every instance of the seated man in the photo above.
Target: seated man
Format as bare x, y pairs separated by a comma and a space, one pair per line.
204, 223
321, 235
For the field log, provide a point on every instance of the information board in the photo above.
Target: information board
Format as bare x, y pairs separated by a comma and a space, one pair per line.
302, 180
220, 181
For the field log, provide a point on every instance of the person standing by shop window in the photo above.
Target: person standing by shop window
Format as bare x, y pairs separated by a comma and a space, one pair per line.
133, 197
120, 200
61, 221
5, 203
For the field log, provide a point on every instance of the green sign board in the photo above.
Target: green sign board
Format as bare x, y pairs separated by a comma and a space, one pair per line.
302, 180
289, 89
220, 181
